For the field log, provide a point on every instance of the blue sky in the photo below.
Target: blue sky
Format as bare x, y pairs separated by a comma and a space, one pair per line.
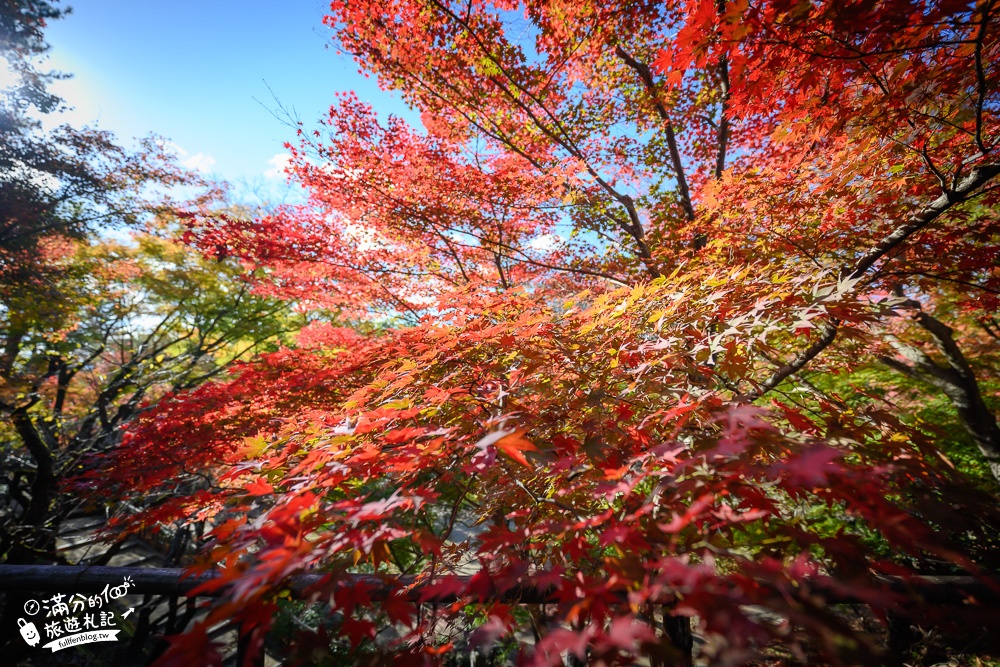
191, 71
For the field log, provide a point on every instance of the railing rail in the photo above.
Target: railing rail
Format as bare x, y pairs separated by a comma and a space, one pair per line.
176, 582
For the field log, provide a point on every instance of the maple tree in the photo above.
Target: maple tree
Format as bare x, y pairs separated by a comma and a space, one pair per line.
642, 253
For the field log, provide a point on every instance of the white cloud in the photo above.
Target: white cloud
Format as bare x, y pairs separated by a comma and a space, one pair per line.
7, 77
279, 162
364, 238
171, 147
544, 242
198, 161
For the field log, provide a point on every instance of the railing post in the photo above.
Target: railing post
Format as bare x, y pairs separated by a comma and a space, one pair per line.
678, 629
247, 654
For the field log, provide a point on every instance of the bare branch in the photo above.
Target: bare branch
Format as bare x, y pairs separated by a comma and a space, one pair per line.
646, 76
964, 191
829, 332
723, 131
981, 76
956, 380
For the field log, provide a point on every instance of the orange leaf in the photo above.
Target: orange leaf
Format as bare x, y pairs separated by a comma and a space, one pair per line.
258, 488
515, 444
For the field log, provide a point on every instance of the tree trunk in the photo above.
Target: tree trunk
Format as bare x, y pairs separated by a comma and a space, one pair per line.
956, 380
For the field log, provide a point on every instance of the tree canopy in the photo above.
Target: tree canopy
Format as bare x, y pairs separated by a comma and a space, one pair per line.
650, 313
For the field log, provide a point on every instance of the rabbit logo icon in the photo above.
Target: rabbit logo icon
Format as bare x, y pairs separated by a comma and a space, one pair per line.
29, 632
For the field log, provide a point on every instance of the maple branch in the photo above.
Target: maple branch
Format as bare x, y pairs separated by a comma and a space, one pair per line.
503, 70
498, 253
454, 254
524, 257
498, 262
942, 182
981, 77
882, 86
956, 380
797, 246
496, 132
646, 76
944, 278
43, 487
723, 131
720, 162
558, 134
488, 52
988, 325
807, 384
634, 225
542, 500
363, 268
855, 52
920, 113
66, 375
399, 300
962, 192
453, 517
634, 229
829, 332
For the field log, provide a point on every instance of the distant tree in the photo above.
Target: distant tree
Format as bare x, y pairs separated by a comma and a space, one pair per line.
22, 42
91, 328
136, 321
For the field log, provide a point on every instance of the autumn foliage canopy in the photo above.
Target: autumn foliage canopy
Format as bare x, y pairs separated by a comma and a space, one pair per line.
636, 265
